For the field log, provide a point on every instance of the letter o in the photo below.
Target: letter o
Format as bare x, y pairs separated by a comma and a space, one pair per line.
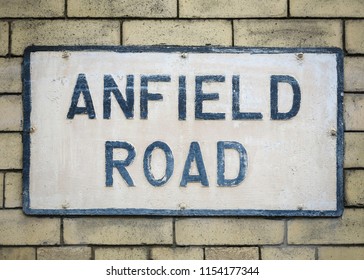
147, 163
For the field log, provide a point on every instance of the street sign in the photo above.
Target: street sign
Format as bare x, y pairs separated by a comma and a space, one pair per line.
187, 131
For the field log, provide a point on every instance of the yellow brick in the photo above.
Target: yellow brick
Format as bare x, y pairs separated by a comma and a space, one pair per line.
1, 189
154, 32
4, 38
288, 253
11, 113
354, 111
13, 190
10, 151
288, 33
354, 36
228, 231
354, 187
117, 8
232, 253
341, 253
60, 32
325, 8
354, 150
33, 8
136, 253
16, 253
25, 230
184, 253
126, 231
232, 8
64, 253
354, 73
10, 75
348, 229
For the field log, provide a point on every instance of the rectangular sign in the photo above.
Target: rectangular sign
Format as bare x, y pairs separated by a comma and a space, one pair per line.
184, 131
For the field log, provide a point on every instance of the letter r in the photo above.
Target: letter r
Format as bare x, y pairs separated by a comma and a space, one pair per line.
120, 165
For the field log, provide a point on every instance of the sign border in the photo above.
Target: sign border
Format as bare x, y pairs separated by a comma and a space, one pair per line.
187, 212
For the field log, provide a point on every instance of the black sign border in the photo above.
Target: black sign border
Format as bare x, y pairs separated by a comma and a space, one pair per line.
187, 212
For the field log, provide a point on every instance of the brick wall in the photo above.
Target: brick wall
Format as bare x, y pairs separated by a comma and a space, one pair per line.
275, 23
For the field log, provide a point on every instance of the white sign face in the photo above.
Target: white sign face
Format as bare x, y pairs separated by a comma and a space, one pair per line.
183, 131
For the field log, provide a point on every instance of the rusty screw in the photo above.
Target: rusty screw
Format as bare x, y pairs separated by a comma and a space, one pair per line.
65, 54
299, 56
333, 132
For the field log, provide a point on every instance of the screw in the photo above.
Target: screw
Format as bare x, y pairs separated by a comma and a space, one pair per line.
182, 206
65, 54
333, 132
299, 56
32, 129
65, 205
183, 55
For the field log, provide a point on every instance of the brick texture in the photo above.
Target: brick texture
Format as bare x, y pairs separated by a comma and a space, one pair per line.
354, 187
117, 8
354, 111
354, 72
13, 190
24, 230
349, 229
4, 38
232, 8
10, 75
354, 36
10, 151
156, 32
288, 33
59, 32
31, 8
64, 253
127, 253
341, 253
187, 253
232, 253
247, 23
325, 8
17, 253
354, 150
11, 113
125, 231
218, 231
288, 253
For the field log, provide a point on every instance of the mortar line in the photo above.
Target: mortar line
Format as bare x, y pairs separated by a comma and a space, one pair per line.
288, 9
92, 253
232, 33
121, 32
177, 8
285, 237
149, 253
182, 18
9, 39
3, 192
61, 232
174, 232
259, 252
343, 31
65, 9
316, 253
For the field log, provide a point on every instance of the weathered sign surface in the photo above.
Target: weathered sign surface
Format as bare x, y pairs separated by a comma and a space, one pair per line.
183, 131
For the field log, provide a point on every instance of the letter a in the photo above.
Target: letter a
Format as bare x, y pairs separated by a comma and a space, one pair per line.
81, 87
